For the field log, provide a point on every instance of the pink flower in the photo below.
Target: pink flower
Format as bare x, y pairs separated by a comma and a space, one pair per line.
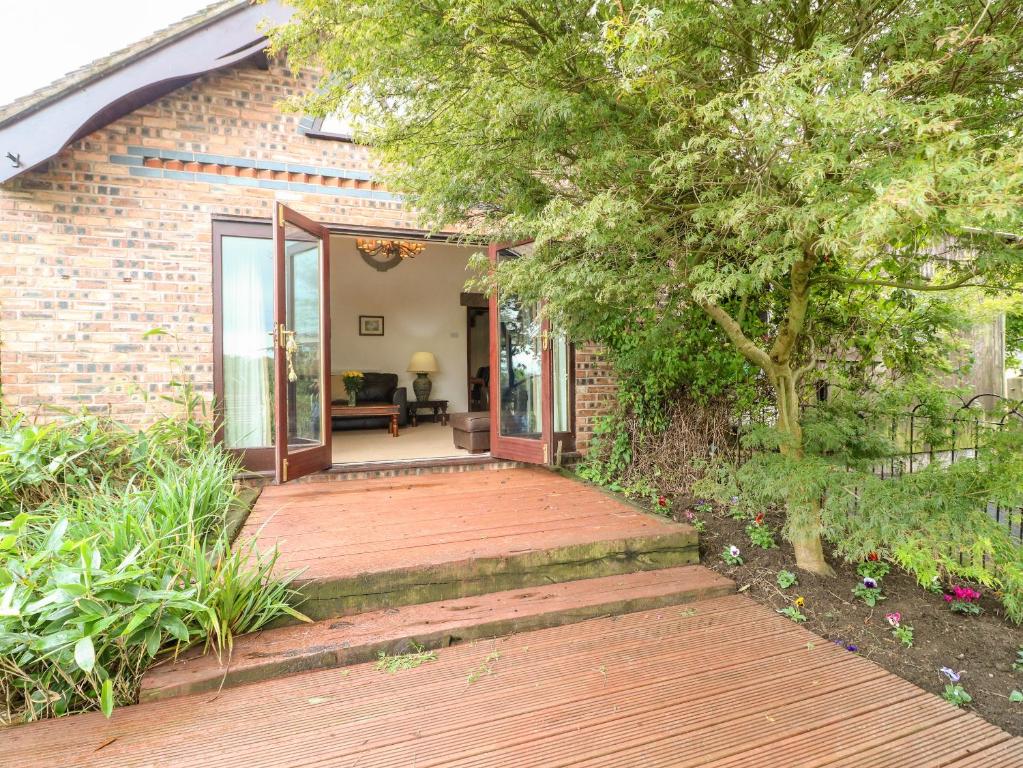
690, 515
894, 618
962, 595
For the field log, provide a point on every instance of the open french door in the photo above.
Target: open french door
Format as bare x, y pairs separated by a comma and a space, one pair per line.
530, 392
301, 335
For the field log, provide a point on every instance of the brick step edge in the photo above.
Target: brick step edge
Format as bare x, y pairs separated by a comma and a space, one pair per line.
356, 639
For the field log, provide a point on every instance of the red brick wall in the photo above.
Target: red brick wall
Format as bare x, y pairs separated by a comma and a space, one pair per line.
102, 245
94, 256
594, 391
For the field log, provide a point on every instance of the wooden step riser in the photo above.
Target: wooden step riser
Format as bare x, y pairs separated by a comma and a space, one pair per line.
323, 599
515, 612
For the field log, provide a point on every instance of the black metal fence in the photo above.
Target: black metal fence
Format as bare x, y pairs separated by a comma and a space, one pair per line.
956, 438
921, 439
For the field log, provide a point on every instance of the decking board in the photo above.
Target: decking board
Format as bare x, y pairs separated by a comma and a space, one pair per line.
342, 642
729, 683
365, 545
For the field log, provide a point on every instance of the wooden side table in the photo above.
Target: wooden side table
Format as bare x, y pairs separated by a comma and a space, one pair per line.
359, 411
440, 410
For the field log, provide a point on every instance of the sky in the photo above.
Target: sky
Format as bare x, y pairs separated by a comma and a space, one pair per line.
45, 39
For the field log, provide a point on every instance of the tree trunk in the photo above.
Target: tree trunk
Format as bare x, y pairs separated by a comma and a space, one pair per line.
803, 513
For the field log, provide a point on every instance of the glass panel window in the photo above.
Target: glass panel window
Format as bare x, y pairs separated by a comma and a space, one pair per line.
248, 275
338, 125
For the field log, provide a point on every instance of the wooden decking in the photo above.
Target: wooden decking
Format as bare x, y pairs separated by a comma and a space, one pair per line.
335, 643
722, 682
369, 544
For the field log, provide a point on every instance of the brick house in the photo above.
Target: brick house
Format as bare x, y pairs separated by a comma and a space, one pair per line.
163, 187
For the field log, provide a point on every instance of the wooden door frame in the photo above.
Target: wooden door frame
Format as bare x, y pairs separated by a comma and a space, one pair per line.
479, 312
287, 465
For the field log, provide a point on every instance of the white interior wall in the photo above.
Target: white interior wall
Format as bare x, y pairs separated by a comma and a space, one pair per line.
419, 300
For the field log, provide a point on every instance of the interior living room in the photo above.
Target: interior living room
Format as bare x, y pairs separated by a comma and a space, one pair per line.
409, 351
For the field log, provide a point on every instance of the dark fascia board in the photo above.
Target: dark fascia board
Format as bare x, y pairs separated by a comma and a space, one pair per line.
40, 133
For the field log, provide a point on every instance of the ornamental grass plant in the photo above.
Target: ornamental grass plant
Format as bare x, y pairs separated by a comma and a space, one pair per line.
113, 550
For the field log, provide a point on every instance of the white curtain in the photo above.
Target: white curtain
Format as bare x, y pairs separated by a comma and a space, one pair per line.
247, 265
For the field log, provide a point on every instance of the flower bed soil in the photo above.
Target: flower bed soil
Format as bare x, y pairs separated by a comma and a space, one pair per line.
982, 647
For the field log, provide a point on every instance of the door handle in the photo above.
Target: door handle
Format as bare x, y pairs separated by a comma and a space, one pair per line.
289, 346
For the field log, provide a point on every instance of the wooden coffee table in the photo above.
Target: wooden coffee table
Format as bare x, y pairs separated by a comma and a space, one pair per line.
359, 411
440, 410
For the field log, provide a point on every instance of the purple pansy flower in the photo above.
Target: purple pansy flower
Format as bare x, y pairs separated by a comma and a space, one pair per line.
951, 674
869, 583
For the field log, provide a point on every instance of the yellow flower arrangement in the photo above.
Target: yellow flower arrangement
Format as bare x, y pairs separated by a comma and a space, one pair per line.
353, 385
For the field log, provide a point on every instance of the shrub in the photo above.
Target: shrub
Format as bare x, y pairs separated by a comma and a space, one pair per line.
932, 522
112, 550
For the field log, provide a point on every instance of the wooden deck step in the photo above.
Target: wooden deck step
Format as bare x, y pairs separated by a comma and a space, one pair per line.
387, 542
723, 683
340, 642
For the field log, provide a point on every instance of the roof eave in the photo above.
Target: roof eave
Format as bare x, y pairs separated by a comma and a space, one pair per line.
42, 130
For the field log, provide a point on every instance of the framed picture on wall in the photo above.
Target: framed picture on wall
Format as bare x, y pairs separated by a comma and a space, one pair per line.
371, 325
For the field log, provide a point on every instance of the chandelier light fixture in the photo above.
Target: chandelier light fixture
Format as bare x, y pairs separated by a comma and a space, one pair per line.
383, 255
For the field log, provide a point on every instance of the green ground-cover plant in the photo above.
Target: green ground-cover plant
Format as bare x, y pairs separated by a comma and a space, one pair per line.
786, 579
760, 534
112, 550
732, 555
794, 611
901, 631
869, 591
956, 695
964, 600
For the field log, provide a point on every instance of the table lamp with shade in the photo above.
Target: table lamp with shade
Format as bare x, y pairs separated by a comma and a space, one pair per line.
422, 364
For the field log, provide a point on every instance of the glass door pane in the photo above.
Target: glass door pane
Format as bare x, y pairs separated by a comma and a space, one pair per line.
520, 403
561, 404
247, 269
302, 359
520, 367
303, 344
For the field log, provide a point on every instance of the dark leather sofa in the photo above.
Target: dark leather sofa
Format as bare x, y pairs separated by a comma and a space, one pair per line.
377, 389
